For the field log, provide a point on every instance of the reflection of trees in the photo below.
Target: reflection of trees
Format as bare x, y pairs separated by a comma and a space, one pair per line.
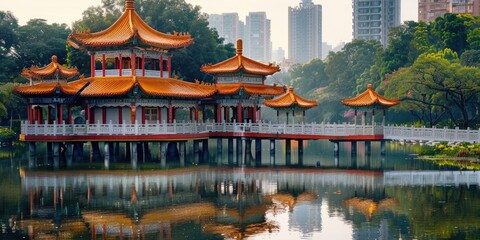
440, 212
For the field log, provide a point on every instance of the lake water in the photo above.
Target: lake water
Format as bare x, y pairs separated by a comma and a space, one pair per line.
368, 197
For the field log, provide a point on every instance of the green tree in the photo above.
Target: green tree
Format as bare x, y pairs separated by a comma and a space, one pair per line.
452, 30
307, 78
39, 41
437, 83
8, 43
401, 50
470, 58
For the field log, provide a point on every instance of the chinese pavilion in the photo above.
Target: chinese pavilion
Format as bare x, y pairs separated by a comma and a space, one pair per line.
131, 84
369, 101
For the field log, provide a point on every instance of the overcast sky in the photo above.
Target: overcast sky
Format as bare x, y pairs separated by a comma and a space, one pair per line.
337, 14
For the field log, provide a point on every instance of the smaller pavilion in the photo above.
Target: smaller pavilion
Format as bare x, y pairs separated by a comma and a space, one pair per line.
290, 101
241, 88
369, 101
48, 91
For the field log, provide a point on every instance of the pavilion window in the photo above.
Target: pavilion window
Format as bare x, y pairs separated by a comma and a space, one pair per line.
151, 114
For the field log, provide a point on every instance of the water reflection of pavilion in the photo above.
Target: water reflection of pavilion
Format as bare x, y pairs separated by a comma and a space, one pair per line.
232, 202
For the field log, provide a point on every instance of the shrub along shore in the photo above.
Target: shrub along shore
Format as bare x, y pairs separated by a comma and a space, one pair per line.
465, 156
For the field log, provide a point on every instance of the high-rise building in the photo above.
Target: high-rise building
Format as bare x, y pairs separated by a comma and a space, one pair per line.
278, 55
257, 37
326, 48
429, 10
305, 32
372, 20
227, 25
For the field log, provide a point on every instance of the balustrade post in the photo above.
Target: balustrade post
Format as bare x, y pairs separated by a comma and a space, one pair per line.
110, 128
54, 127
124, 127
136, 127
175, 125
64, 130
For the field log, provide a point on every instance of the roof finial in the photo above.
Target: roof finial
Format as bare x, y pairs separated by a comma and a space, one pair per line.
370, 86
54, 58
239, 47
129, 5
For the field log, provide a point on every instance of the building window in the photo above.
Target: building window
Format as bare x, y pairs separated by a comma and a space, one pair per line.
151, 114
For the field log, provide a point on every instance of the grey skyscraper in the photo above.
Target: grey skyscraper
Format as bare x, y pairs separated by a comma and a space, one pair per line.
305, 32
228, 26
372, 20
257, 37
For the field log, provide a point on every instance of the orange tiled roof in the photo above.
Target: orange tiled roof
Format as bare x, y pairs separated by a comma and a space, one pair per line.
127, 27
370, 98
108, 86
290, 99
35, 72
48, 88
240, 62
171, 87
252, 89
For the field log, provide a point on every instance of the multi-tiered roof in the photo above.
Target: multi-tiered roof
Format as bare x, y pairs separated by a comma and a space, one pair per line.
126, 29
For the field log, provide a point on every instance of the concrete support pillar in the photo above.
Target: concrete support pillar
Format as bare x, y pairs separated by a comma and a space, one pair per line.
336, 153
78, 152
116, 152
163, 154
368, 148
32, 154
147, 157
248, 152
219, 151
258, 151
353, 147
49, 153
239, 152
382, 147
69, 154
230, 151
300, 152
140, 152
272, 152
205, 151
288, 152
128, 151
56, 155
196, 152
181, 153
95, 152
106, 156
134, 155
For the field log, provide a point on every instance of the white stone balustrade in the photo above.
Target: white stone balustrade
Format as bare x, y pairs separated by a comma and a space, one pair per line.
158, 128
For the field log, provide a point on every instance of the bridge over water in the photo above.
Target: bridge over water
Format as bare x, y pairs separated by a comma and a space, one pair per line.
242, 133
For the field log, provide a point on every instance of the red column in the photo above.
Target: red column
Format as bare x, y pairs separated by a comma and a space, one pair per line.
69, 113
196, 112
120, 115
120, 66
104, 115
133, 112
92, 65
87, 113
60, 113
29, 112
161, 66
133, 64
239, 113
254, 115
170, 113
143, 115
143, 64
169, 66
219, 113
104, 65
49, 118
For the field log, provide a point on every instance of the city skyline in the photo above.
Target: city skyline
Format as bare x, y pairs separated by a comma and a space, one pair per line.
339, 12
